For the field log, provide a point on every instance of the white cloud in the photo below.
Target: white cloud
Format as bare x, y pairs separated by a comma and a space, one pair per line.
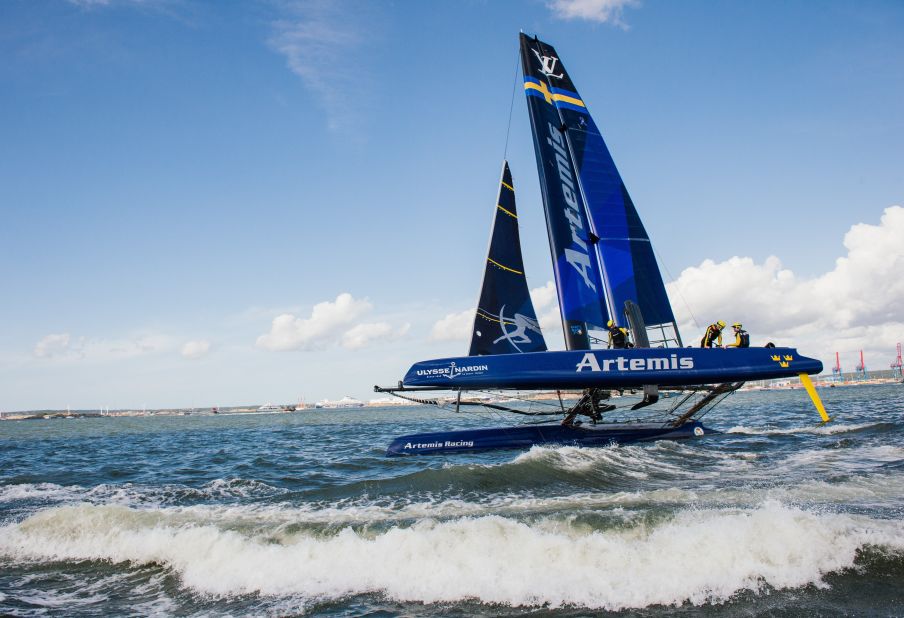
327, 324
52, 345
544, 296
62, 346
454, 327
97, 4
362, 335
858, 304
195, 349
601, 11
330, 323
318, 40
546, 304
126, 348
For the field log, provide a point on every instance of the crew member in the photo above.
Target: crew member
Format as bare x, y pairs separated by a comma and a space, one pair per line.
742, 339
591, 404
618, 337
713, 334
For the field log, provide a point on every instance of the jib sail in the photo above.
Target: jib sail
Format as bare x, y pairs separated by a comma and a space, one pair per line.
506, 321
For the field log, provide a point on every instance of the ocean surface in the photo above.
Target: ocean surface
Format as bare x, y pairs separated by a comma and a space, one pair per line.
287, 514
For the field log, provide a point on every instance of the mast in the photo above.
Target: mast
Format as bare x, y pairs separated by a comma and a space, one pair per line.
505, 322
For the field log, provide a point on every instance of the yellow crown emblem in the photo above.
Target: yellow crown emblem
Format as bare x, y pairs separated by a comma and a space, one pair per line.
782, 361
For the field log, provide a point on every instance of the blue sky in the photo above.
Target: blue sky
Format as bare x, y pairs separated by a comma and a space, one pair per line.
176, 175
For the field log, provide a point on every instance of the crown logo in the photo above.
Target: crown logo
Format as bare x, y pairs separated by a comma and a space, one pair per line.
783, 361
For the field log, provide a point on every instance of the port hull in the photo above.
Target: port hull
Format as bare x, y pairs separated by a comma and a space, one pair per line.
526, 436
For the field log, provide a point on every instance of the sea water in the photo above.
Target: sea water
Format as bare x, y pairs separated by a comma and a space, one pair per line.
302, 514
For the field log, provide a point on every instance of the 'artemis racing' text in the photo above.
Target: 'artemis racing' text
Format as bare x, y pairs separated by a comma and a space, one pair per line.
446, 444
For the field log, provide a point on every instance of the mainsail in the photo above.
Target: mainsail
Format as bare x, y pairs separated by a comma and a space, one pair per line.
506, 321
619, 245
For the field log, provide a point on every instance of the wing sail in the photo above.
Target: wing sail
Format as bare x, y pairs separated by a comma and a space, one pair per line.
575, 262
622, 247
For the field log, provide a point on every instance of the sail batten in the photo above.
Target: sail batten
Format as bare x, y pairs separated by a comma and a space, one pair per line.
505, 321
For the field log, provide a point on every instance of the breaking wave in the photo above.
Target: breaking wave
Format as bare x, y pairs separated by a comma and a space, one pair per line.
131, 494
821, 430
691, 556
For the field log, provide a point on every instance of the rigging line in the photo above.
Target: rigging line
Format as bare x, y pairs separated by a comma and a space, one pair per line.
712, 406
426, 402
677, 287
508, 129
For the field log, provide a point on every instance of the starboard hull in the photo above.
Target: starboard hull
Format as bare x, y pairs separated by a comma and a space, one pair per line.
526, 436
610, 368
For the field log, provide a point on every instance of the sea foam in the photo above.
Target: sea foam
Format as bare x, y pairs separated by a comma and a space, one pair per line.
821, 430
694, 556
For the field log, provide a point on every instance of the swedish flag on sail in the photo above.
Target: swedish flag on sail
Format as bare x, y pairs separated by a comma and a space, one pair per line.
563, 99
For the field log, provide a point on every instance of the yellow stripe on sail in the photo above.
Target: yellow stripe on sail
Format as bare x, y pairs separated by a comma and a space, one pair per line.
511, 214
509, 187
511, 270
567, 99
550, 96
541, 87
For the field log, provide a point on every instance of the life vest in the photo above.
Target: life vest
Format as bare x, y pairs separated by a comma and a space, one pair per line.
618, 337
743, 339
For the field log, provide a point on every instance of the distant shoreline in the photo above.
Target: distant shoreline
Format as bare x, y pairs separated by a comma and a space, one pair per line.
789, 384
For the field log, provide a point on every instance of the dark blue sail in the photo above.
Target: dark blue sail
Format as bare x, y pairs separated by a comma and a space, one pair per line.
506, 322
575, 261
622, 246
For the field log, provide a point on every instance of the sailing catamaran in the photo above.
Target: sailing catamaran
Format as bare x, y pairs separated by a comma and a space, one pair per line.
604, 269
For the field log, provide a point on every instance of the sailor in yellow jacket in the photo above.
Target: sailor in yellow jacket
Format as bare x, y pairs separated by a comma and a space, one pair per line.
618, 337
742, 338
713, 334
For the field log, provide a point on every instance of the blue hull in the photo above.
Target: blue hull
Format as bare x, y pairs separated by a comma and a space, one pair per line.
525, 436
610, 368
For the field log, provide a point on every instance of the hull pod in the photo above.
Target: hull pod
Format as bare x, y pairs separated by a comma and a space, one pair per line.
526, 436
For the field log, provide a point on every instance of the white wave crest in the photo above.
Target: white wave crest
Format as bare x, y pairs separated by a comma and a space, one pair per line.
697, 556
36, 491
129, 494
825, 430
639, 461
859, 458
